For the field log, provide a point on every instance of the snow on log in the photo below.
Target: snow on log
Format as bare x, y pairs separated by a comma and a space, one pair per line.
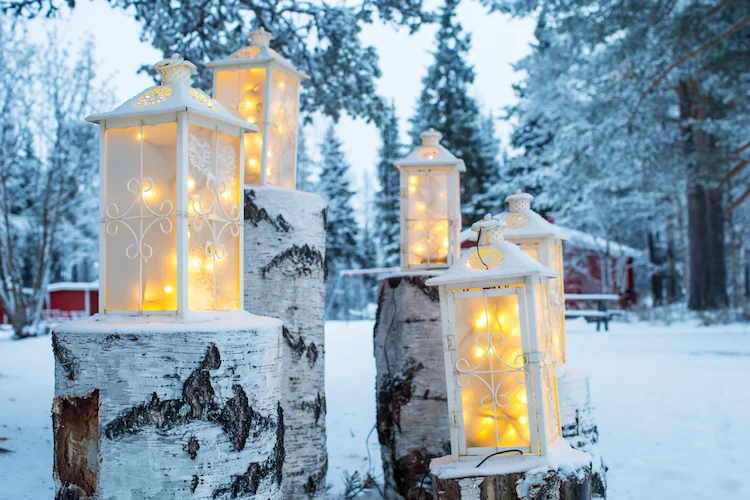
564, 474
285, 278
579, 426
412, 408
154, 408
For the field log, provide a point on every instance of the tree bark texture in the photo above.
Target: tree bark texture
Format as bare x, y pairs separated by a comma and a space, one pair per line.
156, 409
535, 484
285, 277
706, 242
412, 407
579, 426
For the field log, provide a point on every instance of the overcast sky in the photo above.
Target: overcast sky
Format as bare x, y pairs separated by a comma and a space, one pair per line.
497, 42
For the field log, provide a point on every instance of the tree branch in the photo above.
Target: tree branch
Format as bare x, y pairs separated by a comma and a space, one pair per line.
690, 55
739, 201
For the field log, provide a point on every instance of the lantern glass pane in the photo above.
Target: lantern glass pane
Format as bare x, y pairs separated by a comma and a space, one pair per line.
282, 131
213, 244
140, 192
427, 218
242, 93
532, 252
549, 400
490, 372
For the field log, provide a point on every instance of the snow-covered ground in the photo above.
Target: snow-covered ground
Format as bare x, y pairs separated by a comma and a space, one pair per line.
672, 405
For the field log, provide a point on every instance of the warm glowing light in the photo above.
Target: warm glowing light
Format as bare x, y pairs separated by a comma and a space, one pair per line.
487, 420
280, 129
196, 262
188, 234
269, 154
139, 137
252, 163
412, 189
251, 119
209, 267
148, 194
523, 399
248, 104
421, 207
419, 249
479, 352
412, 180
168, 289
268, 171
445, 242
481, 321
522, 420
281, 85
191, 183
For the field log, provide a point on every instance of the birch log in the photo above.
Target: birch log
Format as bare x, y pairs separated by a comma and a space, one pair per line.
412, 408
285, 278
578, 424
514, 478
158, 409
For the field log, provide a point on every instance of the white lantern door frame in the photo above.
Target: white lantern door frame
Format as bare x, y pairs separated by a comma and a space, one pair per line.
490, 370
140, 218
438, 215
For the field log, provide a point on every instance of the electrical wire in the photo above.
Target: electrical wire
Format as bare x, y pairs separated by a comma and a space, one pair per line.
479, 238
497, 453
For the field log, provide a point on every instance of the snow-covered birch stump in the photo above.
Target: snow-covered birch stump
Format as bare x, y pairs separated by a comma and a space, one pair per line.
579, 426
161, 409
285, 278
564, 474
412, 408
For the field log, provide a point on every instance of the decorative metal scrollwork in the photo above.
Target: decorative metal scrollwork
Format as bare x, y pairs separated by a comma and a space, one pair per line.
161, 217
154, 96
202, 98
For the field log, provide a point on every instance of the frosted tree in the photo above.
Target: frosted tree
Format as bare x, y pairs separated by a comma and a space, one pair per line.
305, 164
342, 232
387, 199
322, 39
48, 168
445, 104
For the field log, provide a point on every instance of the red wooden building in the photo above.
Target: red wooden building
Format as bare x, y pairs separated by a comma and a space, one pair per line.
67, 301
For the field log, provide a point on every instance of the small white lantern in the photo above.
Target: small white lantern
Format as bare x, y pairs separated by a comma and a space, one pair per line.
171, 200
261, 87
430, 205
502, 390
542, 241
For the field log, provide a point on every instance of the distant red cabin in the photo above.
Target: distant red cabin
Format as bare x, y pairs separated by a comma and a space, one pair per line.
71, 300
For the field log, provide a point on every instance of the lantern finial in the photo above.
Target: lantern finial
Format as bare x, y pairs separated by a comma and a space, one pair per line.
175, 70
431, 137
489, 230
519, 201
260, 38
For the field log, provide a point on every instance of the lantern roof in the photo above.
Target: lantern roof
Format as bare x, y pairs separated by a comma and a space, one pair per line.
431, 153
258, 54
493, 259
523, 222
172, 95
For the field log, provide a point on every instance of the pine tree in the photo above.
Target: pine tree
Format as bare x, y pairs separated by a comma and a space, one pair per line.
304, 163
342, 232
445, 104
387, 198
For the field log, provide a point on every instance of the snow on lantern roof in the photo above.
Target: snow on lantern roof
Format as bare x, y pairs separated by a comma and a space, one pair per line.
257, 54
493, 259
431, 154
523, 222
172, 95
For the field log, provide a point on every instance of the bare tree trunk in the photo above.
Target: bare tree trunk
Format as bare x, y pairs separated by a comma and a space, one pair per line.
412, 407
285, 278
673, 293
707, 261
154, 409
656, 274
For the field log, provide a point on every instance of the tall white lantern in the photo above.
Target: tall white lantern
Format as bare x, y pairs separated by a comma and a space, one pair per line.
502, 390
261, 87
430, 205
542, 241
171, 200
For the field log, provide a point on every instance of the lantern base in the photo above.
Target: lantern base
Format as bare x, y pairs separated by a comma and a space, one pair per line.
285, 278
578, 424
563, 474
153, 408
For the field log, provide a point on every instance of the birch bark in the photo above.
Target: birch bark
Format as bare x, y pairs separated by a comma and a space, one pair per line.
285, 278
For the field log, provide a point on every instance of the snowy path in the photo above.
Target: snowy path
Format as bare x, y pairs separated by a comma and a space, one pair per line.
671, 403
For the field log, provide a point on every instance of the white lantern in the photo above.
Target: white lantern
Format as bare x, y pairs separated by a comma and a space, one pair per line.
542, 241
430, 205
502, 390
261, 87
171, 200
